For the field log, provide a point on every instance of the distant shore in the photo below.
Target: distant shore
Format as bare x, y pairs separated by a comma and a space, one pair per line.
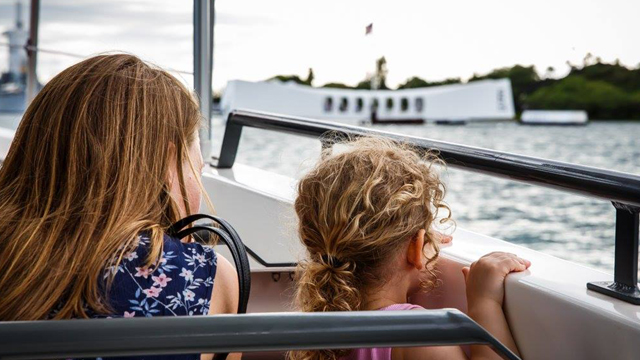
606, 91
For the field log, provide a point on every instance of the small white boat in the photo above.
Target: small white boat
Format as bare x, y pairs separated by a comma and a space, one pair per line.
554, 117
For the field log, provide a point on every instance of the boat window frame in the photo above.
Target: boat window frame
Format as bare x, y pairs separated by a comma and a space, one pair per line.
328, 104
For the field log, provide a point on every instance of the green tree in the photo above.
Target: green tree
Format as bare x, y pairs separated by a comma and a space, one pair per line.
335, 85
600, 99
524, 81
286, 78
310, 77
416, 82
616, 74
364, 84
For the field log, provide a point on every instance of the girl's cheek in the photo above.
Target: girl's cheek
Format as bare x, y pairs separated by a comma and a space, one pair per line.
193, 192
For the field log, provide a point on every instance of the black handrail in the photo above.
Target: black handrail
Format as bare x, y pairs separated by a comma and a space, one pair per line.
622, 189
608, 185
241, 333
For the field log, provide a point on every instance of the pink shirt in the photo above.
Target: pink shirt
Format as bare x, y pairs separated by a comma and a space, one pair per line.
378, 353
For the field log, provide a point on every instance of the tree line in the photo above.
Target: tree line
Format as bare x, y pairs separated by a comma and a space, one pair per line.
605, 90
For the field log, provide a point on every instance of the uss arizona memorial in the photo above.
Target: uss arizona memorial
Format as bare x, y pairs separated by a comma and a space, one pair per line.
478, 100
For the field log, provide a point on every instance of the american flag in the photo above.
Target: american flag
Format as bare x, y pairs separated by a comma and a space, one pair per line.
369, 29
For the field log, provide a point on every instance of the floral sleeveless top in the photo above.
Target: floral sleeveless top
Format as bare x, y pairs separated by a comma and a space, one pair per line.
180, 285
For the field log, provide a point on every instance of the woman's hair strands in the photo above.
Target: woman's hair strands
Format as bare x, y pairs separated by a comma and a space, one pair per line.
85, 175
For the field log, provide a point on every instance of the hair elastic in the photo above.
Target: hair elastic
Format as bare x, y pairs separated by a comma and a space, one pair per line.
331, 260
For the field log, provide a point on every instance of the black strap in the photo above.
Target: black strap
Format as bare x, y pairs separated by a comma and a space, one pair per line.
182, 223
228, 235
201, 234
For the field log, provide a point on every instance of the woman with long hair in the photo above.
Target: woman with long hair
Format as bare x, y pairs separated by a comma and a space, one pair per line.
105, 159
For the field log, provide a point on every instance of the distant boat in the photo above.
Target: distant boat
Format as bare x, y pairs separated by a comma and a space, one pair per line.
554, 117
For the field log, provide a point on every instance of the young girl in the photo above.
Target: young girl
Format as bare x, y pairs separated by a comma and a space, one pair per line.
105, 159
365, 216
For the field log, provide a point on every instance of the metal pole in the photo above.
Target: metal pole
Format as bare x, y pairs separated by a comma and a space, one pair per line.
203, 13
18, 15
625, 273
626, 250
32, 53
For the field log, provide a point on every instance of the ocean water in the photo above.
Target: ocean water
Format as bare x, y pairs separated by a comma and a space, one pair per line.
572, 227
569, 226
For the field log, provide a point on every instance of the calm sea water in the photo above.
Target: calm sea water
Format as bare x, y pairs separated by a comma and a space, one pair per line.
565, 225
568, 226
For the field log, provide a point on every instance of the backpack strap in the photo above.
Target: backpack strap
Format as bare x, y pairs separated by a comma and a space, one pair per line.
228, 235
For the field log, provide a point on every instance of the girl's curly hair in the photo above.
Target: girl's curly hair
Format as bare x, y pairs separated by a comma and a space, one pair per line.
356, 209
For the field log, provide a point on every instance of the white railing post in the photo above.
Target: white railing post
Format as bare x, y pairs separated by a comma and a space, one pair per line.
203, 18
32, 52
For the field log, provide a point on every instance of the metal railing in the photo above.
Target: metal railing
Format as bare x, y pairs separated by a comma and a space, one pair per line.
623, 190
48, 339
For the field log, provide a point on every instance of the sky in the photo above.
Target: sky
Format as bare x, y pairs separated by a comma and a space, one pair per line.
257, 39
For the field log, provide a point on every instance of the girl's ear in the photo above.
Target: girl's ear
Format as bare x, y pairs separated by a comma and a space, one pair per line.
414, 252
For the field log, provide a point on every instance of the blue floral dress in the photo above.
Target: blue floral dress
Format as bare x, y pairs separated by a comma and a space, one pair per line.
180, 285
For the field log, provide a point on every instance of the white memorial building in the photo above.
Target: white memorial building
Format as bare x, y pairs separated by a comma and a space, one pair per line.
478, 100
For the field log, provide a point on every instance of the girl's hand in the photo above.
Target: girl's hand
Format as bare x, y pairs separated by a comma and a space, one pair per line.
485, 277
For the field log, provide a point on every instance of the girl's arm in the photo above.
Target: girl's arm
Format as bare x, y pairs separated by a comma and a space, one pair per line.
431, 353
224, 296
485, 296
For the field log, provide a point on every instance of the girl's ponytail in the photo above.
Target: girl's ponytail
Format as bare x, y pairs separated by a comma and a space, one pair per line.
326, 286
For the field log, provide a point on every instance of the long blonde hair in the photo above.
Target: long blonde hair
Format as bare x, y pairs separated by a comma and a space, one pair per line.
85, 174
356, 210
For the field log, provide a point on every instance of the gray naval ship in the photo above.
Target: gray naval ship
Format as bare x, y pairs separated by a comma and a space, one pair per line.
13, 83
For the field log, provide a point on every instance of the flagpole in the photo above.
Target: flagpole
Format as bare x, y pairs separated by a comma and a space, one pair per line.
374, 79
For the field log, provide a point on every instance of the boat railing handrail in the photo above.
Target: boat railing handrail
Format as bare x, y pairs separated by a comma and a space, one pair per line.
622, 189
240, 333
589, 181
